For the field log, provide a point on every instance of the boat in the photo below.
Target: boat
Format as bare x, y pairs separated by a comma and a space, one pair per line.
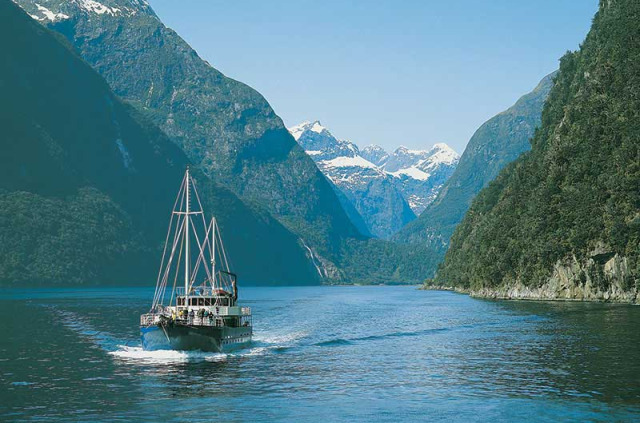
200, 310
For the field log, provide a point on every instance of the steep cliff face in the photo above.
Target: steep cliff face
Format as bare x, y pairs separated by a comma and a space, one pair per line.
225, 127
593, 278
87, 183
496, 143
563, 221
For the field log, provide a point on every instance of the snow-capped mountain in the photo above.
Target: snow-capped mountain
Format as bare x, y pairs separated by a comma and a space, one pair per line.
375, 154
416, 175
419, 174
56, 8
368, 189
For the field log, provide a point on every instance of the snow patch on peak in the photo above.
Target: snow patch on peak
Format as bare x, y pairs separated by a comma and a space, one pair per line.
411, 172
298, 130
317, 127
375, 154
98, 8
48, 14
441, 146
374, 147
443, 154
405, 150
343, 161
348, 145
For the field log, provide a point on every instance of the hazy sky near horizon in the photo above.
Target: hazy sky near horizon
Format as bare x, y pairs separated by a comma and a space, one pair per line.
391, 73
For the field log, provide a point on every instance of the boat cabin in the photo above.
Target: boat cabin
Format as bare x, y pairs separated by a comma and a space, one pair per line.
206, 297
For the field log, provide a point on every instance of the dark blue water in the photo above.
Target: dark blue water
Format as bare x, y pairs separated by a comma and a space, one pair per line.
324, 354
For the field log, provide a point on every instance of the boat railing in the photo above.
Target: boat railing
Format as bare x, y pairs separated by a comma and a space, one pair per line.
198, 291
210, 320
148, 319
215, 310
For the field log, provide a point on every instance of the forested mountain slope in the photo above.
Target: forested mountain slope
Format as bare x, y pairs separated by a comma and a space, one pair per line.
496, 143
225, 127
563, 221
87, 184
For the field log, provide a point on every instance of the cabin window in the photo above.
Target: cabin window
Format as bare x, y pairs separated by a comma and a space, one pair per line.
200, 301
180, 301
207, 301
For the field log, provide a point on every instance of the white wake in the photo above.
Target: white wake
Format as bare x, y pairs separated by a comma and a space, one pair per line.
139, 355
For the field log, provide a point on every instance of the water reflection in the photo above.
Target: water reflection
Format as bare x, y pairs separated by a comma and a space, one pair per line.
327, 354
592, 348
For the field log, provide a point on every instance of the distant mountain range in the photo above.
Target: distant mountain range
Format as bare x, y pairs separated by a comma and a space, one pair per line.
387, 190
418, 174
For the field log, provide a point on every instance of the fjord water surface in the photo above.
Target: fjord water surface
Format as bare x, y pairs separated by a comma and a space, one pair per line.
323, 354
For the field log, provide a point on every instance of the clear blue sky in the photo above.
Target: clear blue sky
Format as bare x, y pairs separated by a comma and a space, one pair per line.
393, 73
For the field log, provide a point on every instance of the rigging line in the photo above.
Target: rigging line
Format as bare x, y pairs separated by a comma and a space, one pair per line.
179, 200
183, 201
224, 253
173, 251
175, 278
161, 278
204, 224
195, 191
200, 254
168, 267
197, 196
212, 251
164, 253
166, 241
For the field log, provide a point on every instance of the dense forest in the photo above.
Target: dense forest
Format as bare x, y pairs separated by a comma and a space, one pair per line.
569, 209
498, 142
87, 182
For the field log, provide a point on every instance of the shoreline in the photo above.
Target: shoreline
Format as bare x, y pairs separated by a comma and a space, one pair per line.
518, 294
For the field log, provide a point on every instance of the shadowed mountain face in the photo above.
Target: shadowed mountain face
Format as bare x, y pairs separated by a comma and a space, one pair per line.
225, 127
87, 183
564, 219
496, 143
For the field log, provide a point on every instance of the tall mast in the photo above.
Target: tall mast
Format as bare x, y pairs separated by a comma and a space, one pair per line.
186, 232
213, 253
